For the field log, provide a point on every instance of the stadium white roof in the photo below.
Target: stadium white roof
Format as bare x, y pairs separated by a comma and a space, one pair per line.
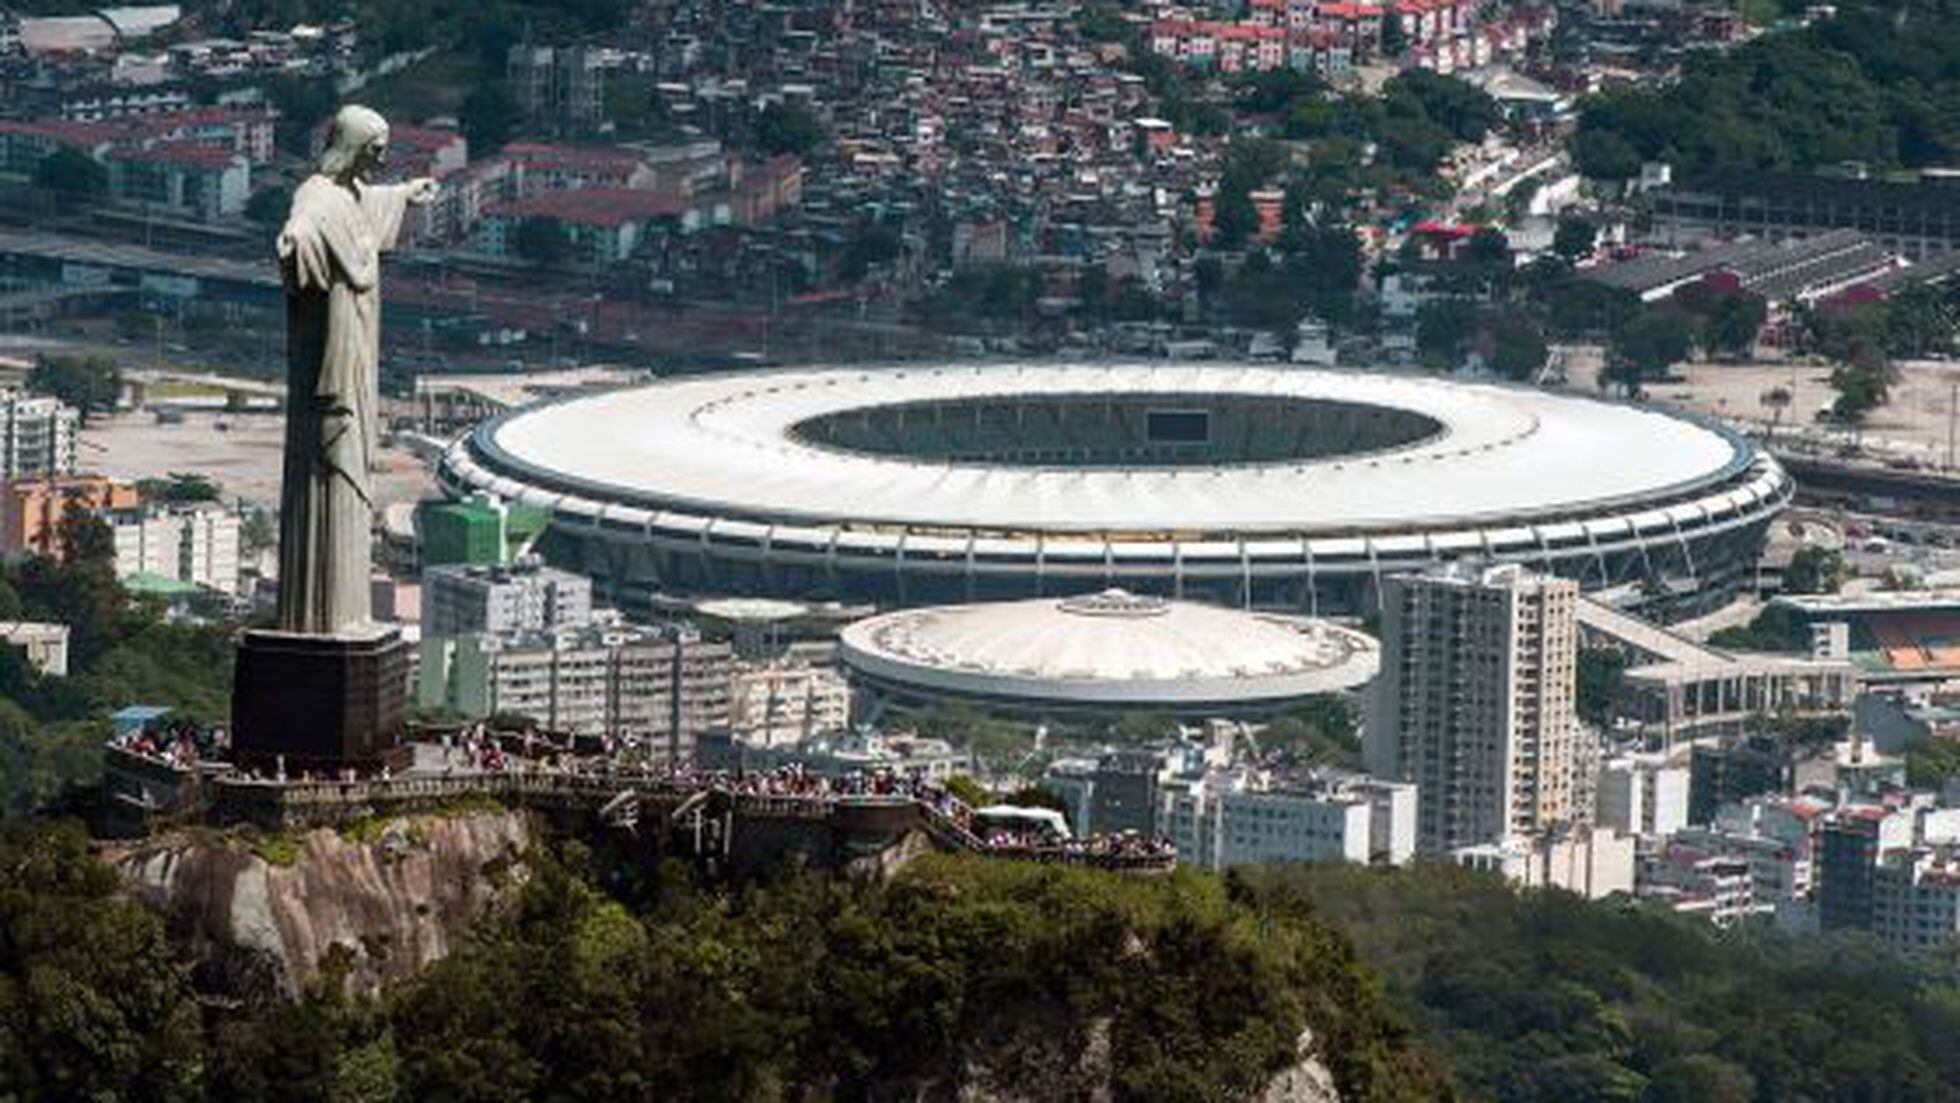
722, 447
1112, 648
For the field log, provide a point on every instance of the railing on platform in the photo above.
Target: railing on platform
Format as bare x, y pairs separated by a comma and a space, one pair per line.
314, 802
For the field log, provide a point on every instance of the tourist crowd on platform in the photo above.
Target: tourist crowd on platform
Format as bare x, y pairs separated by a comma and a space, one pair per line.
1114, 850
178, 743
480, 749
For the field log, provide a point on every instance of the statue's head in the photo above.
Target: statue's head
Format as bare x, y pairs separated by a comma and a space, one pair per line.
357, 143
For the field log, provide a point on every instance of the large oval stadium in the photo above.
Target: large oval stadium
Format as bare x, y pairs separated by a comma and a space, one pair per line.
1263, 486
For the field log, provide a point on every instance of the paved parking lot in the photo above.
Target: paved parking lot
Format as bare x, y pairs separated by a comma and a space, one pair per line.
243, 457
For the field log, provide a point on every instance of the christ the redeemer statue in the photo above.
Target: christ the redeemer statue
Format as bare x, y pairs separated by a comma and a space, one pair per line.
330, 260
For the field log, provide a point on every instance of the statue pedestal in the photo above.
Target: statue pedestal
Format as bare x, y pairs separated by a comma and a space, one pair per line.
323, 703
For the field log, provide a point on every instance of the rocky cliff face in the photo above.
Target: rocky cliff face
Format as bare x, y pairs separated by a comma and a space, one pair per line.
1035, 1061
378, 904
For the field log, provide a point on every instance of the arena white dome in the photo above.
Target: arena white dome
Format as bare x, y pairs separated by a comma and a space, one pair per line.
1109, 651
1266, 486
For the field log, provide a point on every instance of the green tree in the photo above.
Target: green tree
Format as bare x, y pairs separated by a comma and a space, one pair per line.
259, 531
87, 541
1869, 86
488, 116
1488, 247
303, 103
1605, 156
1932, 762
91, 384
1394, 40
1320, 731
1647, 346
1863, 384
1701, 1078
1102, 23
1814, 570
180, 487
1462, 109
1775, 628
1273, 91
72, 177
92, 1002
1600, 679
1140, 728
1574, 238
1921, 320
878, 243
542, 243
969, 791
1778, 400
1514, 344
1234, 218
636, 108
268, 206
785, 127
1444, 328
1736, 321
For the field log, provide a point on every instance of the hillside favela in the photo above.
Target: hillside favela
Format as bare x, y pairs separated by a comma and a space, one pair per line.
980, 551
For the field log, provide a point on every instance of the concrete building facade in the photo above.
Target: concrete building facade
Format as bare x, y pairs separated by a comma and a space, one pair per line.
195, 544
38, 437
1475, 704
464, 599
31, 510
1231, 818
1643, 795
653, 688
784, 702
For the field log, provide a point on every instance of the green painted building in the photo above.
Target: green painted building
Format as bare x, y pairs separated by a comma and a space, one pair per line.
461, 532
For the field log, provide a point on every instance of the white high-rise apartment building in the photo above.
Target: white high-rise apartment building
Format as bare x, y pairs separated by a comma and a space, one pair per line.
1474, 705
655, 688
38, 436
1232, 817
461, 600
785, 702
1916, 899
1643, 794
197, 544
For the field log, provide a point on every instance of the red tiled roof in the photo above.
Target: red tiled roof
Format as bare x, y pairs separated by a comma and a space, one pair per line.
596, 158
421, 138
610, 207
134, 128
197, 154
61, 130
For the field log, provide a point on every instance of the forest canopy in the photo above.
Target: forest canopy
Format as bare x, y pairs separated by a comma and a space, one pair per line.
1874, 85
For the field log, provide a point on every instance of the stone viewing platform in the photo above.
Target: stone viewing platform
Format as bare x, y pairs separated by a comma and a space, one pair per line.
734, 822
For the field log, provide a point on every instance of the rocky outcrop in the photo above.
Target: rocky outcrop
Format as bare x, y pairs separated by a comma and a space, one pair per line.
375, 903
1308, 1080
1057, 1059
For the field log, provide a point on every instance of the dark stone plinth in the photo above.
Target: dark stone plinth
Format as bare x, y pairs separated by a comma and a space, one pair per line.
324, 703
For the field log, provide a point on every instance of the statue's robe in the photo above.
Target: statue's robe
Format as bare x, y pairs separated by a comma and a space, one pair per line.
330, 259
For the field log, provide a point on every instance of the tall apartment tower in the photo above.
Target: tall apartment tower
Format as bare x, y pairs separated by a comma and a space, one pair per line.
465, 598
38, 437
1474, 705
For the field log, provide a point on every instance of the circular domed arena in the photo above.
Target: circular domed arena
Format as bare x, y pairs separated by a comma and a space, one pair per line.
1252, 485
1102, 653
